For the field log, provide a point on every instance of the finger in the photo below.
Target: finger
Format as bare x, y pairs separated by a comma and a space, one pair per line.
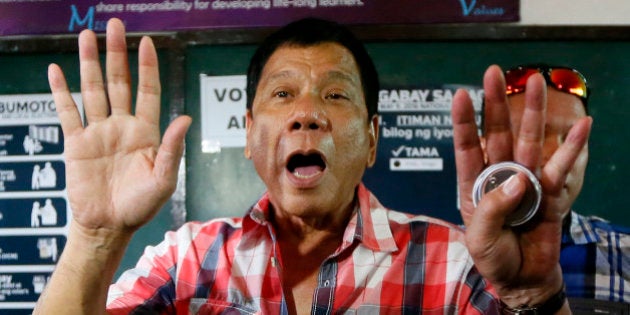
490, 242
561, 162
148, 100
170, 152
497, 204
92, 86
118, 77
497, 128
468, 153
64, 103
529, 141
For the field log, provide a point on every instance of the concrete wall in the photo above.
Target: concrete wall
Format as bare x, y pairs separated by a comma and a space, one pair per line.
575, 12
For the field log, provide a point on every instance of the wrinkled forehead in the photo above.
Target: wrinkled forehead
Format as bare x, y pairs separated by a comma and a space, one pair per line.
332, 59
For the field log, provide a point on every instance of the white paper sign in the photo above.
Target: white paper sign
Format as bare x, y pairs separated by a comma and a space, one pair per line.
223, 100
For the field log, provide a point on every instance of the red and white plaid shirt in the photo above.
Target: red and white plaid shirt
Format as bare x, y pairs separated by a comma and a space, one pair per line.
389, 263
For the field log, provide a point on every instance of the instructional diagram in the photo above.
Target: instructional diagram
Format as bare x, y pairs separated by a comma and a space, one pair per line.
415, 166
34, 211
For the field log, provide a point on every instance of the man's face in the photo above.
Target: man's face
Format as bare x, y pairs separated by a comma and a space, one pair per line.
563, 111
308, 133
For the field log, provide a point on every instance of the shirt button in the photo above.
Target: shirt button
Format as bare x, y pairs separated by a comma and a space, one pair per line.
326, 283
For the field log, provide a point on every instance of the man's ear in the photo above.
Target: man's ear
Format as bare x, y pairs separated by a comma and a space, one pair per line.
248, 124
373, 134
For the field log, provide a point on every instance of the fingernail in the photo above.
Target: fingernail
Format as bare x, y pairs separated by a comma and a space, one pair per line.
510, 186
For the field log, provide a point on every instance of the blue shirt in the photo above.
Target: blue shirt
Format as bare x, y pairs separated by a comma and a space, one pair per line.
595, 259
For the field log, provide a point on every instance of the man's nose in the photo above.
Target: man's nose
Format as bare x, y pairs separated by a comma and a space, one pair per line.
309, 114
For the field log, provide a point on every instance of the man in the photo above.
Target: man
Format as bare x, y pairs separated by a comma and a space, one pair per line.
318, 241
595, 254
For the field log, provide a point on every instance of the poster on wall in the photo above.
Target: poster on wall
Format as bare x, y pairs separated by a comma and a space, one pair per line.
223, 100
66, 16
34, 210
415, 164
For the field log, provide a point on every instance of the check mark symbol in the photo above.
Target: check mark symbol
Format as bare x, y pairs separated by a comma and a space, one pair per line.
397, 152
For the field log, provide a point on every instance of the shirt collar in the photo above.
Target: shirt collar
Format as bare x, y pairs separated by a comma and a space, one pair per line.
369, 223
580, 231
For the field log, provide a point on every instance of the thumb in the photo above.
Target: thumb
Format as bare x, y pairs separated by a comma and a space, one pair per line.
496, 205
171, 150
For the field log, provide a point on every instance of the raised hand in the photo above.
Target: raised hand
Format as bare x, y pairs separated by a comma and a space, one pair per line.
522, 264
118, 172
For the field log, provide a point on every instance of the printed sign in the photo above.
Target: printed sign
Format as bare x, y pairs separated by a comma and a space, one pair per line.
22, 287
31, 249
16, 311
415, 164
66, 16
34, 211
223, 100
32, 176
31, 140
44, 212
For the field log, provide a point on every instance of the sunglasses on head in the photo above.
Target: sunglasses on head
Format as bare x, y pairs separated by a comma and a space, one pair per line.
561, 78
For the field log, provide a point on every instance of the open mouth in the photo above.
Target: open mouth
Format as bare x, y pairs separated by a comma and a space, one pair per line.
306, 165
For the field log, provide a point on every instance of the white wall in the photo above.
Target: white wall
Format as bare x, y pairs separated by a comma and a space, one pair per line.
575, 12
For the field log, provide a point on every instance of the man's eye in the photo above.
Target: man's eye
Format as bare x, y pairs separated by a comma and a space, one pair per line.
282, 94
336, 96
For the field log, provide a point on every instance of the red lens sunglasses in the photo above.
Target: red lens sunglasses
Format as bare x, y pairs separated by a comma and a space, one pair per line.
561, 78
